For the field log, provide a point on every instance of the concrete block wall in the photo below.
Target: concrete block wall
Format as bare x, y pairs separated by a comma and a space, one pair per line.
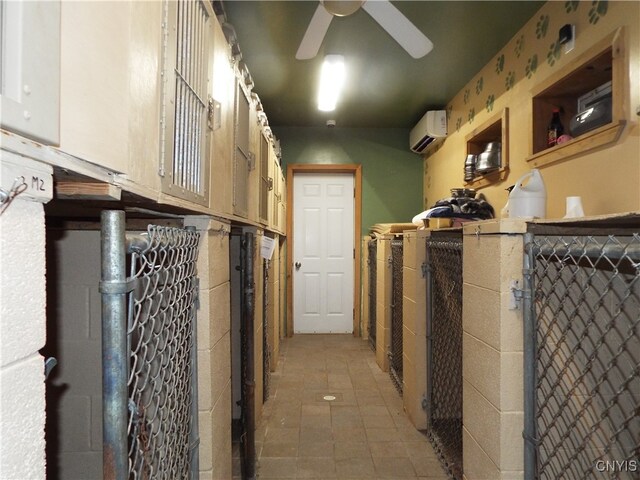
364, 297
214, 347
414, 339
274, 307
383, 301
282, 317
22, 334
492, 353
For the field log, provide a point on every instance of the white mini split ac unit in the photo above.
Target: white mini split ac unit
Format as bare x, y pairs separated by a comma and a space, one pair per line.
431, 126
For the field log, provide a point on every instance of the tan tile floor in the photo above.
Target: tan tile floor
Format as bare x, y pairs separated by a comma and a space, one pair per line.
362, 434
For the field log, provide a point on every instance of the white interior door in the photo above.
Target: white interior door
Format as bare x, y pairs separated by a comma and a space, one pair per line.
323, 250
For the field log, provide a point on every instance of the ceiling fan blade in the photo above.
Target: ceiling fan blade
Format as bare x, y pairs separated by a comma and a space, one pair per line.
399, 27
315, 34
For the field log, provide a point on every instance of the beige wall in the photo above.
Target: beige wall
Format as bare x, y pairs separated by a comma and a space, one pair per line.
598, 177
214, 347
414, 334
22, 334
492, 403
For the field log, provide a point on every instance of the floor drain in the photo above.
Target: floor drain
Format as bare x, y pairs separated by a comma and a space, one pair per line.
329, 398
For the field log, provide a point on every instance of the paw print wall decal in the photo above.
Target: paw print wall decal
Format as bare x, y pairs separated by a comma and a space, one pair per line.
466, 96
542, 26
519, 46
532, 65
472, 115
554, 53
458, 124
511, 80
490, 101
479, 85
500, 64
571, 6
598, 9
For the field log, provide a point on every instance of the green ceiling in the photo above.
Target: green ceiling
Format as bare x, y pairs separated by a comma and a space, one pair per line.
386, 87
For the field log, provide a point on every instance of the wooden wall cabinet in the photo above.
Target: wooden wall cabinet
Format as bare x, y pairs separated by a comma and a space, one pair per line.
606, 61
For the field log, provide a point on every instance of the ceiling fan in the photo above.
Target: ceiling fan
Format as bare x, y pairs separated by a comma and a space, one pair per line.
389, 17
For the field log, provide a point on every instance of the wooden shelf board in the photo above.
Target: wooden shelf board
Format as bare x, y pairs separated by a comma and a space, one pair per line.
599, 137
488, 179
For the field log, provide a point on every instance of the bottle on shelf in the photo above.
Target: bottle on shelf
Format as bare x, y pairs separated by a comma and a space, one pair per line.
555, 128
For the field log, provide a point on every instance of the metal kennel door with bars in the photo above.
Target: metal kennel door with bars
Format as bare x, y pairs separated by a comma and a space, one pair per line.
372, 262
582, 354
444, 348
395, 354
149, 352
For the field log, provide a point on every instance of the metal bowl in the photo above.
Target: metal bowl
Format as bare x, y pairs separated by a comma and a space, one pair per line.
488, 161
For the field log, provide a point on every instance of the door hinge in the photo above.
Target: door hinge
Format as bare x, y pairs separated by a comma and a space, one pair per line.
214, 114
354, 253
517, 295
425, 403
425, 269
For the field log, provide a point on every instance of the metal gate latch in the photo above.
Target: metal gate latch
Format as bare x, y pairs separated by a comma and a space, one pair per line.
517, 294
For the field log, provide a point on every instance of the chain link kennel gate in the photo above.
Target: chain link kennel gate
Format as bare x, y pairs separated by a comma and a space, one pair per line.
395, 355
372, 262
444, 349
150, 421
582, 356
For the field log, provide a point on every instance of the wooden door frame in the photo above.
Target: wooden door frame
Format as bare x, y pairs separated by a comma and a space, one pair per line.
356, 171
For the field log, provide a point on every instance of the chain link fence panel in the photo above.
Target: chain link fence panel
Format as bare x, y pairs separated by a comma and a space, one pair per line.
266, 345
162, 355
372, 262
444, 349
586, 317
395, 355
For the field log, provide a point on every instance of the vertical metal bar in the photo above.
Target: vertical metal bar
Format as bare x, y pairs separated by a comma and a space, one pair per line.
529, 367
250, 383
114, 343
194, 432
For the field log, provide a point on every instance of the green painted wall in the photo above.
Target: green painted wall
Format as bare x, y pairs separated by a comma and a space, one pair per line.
391, 173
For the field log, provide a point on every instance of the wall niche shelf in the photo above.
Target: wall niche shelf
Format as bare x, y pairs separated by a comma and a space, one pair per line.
604, 62
495, 129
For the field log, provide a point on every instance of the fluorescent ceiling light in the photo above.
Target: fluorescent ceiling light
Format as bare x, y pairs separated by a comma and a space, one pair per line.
332, 78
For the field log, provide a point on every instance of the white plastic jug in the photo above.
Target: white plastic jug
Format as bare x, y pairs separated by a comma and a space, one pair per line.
528, 200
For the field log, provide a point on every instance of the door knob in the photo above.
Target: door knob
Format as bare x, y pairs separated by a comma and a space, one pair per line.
298, 265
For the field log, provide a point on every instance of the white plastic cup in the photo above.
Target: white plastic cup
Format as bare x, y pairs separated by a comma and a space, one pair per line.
574, 207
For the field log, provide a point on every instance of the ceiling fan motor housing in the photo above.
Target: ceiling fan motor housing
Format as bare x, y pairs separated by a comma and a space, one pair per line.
341, 8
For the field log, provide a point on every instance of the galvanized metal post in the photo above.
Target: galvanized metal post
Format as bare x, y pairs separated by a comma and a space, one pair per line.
529, 367
114, 343
194, 432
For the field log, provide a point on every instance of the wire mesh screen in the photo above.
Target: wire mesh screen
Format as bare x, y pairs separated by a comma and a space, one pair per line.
372, 262
444, 350
587, 347
266, 348
161, 342
395, 355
